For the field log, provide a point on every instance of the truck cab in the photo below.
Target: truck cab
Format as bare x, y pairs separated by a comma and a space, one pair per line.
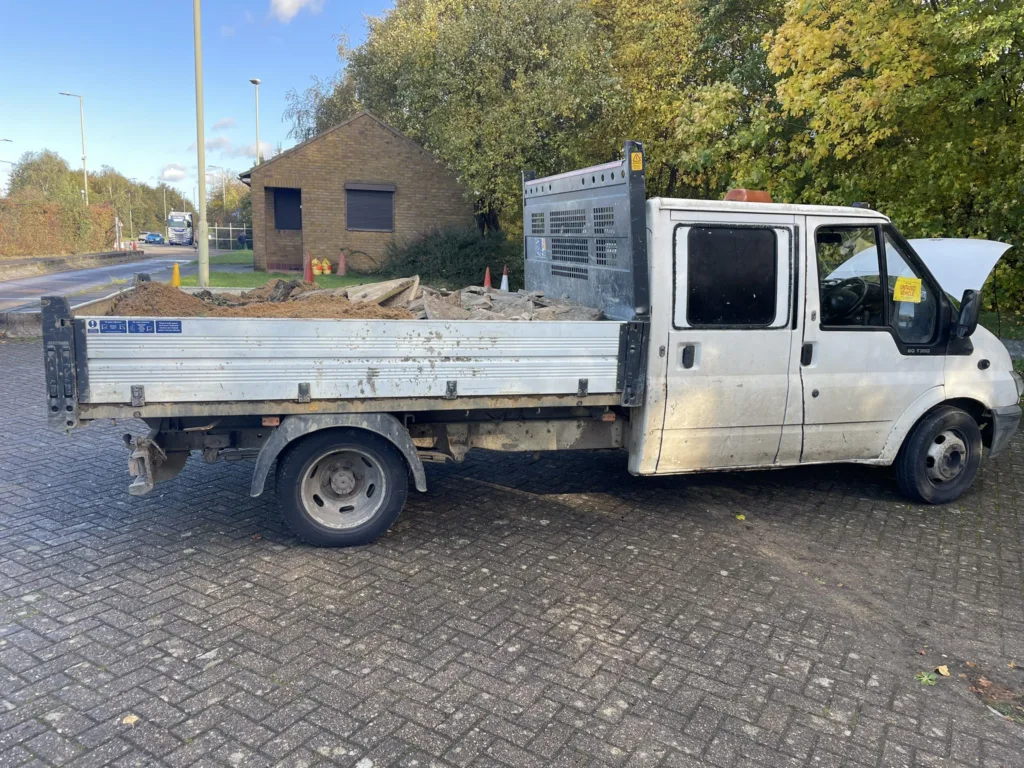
783, 335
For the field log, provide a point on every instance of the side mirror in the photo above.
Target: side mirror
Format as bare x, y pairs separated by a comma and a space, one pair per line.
970, 310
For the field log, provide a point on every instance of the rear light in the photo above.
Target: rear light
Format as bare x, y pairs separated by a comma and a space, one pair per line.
748, 196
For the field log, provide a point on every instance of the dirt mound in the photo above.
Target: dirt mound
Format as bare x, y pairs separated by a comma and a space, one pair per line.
161, 300
334, 308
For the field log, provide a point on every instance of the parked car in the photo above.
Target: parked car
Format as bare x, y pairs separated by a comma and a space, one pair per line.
142, 236
154, 237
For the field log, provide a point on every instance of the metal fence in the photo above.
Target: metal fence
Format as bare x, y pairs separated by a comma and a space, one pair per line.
227, 238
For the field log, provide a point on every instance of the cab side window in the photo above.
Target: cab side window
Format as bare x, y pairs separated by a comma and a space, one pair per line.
913, 305
849, 277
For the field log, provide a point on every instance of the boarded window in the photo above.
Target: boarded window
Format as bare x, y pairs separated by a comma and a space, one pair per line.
287, 208
731, 277
372, 209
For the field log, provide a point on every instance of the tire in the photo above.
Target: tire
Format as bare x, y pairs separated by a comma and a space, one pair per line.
341, 487
940, 458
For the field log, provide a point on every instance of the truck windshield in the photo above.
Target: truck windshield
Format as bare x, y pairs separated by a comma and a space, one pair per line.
177, 221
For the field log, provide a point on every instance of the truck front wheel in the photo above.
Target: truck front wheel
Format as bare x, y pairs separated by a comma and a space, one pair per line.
940, 458
341, 487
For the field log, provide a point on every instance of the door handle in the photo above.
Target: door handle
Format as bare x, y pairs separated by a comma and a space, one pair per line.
806, 354
689, 354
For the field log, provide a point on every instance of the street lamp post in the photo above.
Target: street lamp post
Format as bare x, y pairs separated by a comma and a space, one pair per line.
81, 117
204, 243
256, 86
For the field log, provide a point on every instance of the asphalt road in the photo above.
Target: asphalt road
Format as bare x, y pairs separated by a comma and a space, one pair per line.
23, 295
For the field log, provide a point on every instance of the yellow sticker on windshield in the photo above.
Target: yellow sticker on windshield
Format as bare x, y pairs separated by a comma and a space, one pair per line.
907, 289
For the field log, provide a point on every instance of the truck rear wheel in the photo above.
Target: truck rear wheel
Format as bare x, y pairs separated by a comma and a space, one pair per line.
940, 458
341, 487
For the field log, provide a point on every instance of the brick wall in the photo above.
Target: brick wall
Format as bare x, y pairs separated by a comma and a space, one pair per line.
427, 195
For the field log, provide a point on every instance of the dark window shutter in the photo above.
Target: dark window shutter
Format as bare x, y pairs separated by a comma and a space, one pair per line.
731, 277
366, 209
287, 208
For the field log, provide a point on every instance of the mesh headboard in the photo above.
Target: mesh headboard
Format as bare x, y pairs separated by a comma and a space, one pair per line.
586, 235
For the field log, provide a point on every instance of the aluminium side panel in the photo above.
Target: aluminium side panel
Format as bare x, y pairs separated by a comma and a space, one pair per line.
239, 359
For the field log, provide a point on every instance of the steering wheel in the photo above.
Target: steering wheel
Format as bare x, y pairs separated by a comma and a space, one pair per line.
846, 297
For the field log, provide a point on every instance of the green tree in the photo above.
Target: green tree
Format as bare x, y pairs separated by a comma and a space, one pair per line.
492, 87
46, 174
915, 107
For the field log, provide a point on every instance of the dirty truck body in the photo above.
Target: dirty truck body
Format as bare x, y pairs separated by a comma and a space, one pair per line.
740, 336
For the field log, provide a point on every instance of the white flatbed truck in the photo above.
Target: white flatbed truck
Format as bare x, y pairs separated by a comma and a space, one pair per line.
741, 336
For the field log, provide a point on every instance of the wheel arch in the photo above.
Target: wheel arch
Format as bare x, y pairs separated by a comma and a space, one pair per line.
925, 404
294, 427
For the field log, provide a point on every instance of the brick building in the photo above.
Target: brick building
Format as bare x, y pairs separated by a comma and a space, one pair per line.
359, 185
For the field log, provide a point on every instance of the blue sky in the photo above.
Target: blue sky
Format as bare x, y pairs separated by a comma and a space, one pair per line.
133, 63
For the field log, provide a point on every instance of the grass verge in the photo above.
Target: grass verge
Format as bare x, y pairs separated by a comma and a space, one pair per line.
235, 257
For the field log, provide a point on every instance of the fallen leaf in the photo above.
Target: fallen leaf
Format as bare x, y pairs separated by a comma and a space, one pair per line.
963, 676
131, 720
741, 517
922, 652
984, 683
943, 670
970, 664
1012, 665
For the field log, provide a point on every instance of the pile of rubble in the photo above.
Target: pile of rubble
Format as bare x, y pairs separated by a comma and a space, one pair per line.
470, 303
404, 298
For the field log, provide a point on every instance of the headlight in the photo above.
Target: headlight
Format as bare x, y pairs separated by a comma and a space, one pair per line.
1019, 381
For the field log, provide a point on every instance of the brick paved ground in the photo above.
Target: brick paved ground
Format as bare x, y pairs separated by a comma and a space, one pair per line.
522, 613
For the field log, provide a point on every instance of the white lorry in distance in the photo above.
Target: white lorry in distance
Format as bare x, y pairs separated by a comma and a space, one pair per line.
739, 335
179, 228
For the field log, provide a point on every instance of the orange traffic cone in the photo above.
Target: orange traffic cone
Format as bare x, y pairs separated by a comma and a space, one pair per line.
487, 279
307, 269
504, 280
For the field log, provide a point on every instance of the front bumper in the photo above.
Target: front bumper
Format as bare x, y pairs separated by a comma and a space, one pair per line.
1004, 423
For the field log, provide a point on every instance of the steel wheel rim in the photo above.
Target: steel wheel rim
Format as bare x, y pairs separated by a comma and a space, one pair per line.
343, 488
946, 457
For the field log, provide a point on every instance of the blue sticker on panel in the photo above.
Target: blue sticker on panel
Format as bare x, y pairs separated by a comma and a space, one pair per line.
168, 326
140, 326
113, 326
92, 326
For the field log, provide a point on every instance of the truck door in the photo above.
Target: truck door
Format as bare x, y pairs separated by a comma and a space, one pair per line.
872, 337
731, 347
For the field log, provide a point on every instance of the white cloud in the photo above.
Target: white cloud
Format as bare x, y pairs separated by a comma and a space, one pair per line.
286, 10
216, 144
172, 172
248, 17
226, 31
224, 123
249, 150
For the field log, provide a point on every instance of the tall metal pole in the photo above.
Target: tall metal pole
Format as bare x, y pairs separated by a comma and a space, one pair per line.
81, 118
256, 82
204, 243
